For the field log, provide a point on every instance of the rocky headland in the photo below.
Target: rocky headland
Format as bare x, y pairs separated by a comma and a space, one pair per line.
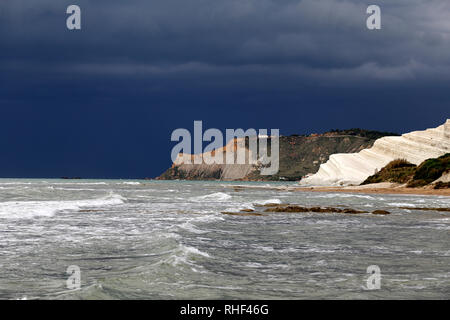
352, 160
300, 155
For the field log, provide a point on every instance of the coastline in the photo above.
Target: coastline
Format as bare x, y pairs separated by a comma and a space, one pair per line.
377, 188
381, 188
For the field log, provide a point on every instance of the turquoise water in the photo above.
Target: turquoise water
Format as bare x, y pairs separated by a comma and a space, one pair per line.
169, 240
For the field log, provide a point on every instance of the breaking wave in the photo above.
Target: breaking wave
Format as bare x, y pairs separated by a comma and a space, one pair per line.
263, 202
31, 209
217, 196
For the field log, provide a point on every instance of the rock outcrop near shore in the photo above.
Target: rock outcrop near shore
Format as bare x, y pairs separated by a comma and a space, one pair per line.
354, 168
271, 208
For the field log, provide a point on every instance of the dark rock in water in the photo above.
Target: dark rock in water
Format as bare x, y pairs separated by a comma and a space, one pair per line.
292, 208
427, 209
243, 214
381, 212
319, 209
351, 211
295, 208
287, 208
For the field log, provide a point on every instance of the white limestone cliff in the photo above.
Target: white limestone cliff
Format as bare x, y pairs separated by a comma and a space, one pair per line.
354, 168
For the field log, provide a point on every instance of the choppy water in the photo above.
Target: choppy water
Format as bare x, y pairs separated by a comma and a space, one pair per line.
169, 240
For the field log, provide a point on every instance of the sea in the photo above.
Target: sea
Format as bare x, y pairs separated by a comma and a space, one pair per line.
138, 239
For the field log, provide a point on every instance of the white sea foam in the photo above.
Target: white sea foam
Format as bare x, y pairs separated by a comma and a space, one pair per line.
345, 195
253, 265
263, 202
250, 205
73, 189
13, 188
192, 250
131, 183
79, 183
263, 248
217, 196
206, 217
356, 196
183, 254
31, 209
16, 183
401, 204
191, 228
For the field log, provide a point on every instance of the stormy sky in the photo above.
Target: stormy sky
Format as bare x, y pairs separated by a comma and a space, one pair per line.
103, 101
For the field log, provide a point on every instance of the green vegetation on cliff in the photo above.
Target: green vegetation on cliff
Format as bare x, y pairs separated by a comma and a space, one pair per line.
398, 171
430, 170
401, 171
370, 134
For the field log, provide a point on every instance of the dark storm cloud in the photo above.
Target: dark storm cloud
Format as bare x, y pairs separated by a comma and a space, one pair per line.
324, 39
103, 101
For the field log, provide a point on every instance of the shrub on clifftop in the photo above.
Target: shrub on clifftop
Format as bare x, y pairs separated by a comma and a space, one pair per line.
401, 171
430, 170
398, 171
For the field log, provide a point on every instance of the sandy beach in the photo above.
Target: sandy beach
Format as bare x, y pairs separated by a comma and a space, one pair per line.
379, 188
